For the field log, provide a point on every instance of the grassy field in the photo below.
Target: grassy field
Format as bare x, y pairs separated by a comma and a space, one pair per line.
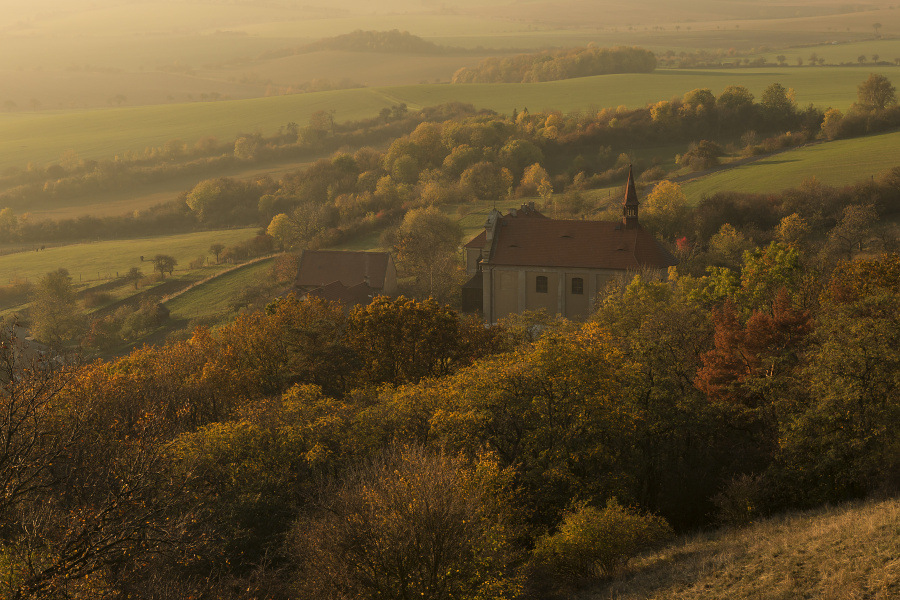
103, 260
835, 553
835, 163
886, 49
43, 136
145, 196
215, 298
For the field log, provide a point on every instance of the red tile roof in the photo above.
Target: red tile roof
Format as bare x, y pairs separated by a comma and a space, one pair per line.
576, 244
348, 296
477, 241
322, 267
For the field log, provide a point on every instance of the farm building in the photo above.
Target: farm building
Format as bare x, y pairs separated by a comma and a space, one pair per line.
348, 277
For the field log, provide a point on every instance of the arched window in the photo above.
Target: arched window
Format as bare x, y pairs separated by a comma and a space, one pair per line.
577, 285
540, 284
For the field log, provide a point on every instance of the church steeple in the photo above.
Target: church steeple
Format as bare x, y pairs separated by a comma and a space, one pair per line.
630, 205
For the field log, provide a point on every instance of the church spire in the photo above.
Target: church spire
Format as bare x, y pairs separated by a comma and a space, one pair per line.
630, 205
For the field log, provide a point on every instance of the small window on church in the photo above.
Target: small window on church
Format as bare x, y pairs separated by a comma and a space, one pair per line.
540, 284
577, 285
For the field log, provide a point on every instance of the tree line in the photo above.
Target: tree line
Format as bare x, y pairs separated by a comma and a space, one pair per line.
553, 65
451, 153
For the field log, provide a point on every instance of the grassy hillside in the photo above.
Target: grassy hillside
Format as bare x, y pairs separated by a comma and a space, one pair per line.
835, 163
215, 298
102, 260
835, 553
137, 198
42, 137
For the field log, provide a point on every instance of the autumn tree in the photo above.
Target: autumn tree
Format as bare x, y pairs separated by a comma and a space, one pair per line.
134, 275
792, 230
164, 263
54, 314
293, 342
841, 443
283, 230
751, 361
203, 198
596, 543
81, 498
485, 180
533, 178
665, 208
403, 340
410, 523
216, 249
778, 104
876, 93
701, 156
852, 232
426, 245
552, 411
254, 475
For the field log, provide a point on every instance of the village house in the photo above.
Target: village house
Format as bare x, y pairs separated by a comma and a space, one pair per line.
525, 261
351, 278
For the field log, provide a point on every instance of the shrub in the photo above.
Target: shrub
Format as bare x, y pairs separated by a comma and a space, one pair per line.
594, 542
410, 525
740, 503
95, 299
701, 156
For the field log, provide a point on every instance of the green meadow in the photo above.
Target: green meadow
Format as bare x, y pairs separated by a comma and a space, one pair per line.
42, 137
837, 163
216, 297
90, 262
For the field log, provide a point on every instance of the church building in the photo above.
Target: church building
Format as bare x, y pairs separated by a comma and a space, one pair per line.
525, 261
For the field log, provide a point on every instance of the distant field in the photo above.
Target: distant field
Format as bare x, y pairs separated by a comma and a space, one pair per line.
215, 298
887, 50
836, 163
827, 86
369, 69
141, 197
88, 262
42, 137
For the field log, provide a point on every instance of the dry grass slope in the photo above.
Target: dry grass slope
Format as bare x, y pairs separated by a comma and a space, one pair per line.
842, 553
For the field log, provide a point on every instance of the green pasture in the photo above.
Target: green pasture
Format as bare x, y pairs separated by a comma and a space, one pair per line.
215, 297
90, 262
140, 197
837, 163
42, 137
826, 86
887, 50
